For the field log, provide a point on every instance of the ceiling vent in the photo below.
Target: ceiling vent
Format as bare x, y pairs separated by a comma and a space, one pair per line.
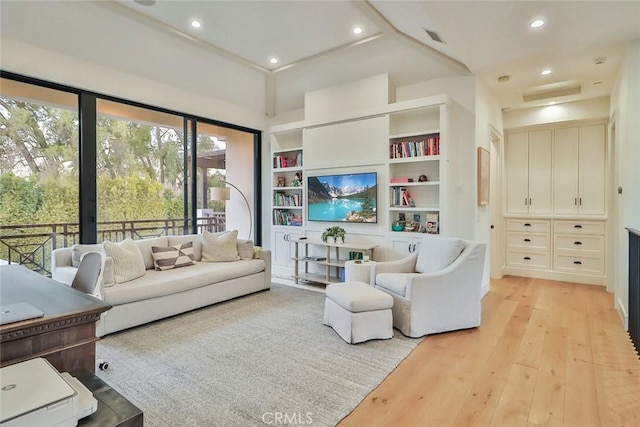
553, 90
435, 36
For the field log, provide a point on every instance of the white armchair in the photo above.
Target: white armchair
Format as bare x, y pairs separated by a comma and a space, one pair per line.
436, 289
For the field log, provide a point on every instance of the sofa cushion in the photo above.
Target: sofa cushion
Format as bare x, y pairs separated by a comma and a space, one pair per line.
158, 283
196, 239
437, 252
77, 251
166, 258
128, 263
220, 248
145, 249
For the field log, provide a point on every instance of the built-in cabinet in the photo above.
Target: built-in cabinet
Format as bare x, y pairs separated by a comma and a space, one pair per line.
528, 172
579, 170
283, 249
562, 237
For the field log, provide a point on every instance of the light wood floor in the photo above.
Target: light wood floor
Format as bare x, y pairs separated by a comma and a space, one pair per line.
547, 353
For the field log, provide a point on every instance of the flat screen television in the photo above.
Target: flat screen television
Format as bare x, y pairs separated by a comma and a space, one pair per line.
345, 198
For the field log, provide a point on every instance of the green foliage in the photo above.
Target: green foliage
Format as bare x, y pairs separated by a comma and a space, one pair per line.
336, 232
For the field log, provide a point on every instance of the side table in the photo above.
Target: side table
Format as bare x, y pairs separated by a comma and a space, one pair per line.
113, 409
358, 271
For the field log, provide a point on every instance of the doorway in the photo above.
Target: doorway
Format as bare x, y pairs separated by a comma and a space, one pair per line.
496, 234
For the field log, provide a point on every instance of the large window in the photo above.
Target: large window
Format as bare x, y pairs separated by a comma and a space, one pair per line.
76, 167
38, 173
140, 162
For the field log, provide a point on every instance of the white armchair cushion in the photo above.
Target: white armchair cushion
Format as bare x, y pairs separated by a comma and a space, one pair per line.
437, 252
394, 282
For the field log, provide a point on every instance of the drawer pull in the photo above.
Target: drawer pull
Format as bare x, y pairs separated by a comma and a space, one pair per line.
527, 258
526, 224
577, 226
527, 240
577, 243
577, 262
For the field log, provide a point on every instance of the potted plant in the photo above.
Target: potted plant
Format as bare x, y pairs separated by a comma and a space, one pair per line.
335, 232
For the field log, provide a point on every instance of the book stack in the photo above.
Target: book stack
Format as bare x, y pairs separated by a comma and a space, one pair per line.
399, 180
402, 197
287, 162
282, 199
355, 255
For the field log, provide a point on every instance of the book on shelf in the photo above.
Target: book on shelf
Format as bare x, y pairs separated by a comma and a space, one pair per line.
355, 255
399, 180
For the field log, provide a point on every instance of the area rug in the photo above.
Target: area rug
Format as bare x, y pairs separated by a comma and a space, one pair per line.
257, 360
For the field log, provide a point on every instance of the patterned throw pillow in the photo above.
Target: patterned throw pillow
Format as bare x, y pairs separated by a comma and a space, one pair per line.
128, 263
220, 248
168, 257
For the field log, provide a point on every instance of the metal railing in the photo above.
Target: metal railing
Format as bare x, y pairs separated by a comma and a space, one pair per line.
31, 244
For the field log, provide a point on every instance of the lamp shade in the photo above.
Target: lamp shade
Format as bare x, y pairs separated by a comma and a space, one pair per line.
220, 193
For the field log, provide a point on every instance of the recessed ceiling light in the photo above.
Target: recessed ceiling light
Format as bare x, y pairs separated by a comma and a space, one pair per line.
504, 79
597, 83
357, 30
196, 24
552, 103
536, 23
545, 72
274, 60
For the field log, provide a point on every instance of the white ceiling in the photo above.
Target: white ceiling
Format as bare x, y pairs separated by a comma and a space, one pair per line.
228, 58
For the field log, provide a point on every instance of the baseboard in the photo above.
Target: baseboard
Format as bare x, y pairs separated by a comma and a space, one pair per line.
556, 275
486, 286
622, 312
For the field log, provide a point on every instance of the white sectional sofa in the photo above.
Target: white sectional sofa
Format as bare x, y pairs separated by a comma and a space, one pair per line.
159, 294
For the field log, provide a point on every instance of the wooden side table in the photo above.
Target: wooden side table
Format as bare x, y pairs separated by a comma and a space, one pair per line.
113, 408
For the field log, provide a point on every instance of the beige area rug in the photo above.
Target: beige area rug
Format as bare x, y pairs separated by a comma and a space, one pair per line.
247, 362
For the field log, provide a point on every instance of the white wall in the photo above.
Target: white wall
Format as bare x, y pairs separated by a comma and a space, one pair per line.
55, 67
460, 89
239, 162
625, 111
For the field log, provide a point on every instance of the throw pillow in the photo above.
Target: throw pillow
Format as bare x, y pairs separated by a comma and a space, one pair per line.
437, 252
245, 249
168, 257
128, 263
77, 251
220, 248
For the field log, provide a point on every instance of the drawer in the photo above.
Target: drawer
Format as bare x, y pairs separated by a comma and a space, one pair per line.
539, 261
529, 225
576, 244
578, 227
538, 242
579, 264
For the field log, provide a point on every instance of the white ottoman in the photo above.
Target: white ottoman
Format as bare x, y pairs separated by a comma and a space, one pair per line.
358, 312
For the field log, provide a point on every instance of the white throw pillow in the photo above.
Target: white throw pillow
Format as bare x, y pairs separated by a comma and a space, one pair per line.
245, 249
128, 263
437, 252
220, 248
77, 251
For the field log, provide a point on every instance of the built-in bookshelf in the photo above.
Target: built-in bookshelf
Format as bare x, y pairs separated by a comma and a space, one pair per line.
414, 171
287, 180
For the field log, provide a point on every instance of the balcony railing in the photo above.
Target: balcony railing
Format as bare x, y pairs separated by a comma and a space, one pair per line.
31, 244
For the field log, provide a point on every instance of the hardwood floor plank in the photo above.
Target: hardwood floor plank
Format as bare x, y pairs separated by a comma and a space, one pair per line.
533, 340
547, 406
515, 402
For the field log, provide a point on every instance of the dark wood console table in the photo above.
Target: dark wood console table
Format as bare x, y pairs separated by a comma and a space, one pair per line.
65, 336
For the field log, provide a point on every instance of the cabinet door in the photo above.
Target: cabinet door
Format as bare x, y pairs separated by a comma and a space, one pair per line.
402, 246
517, 169
565, 171
540, 171
283, 248
592, 170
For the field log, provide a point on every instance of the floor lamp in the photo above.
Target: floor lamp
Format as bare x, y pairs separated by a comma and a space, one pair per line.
224, 193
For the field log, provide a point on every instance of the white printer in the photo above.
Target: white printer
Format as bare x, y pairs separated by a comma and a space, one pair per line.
34, 393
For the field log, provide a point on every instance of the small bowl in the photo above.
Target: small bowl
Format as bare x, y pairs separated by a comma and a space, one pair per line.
397, 227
